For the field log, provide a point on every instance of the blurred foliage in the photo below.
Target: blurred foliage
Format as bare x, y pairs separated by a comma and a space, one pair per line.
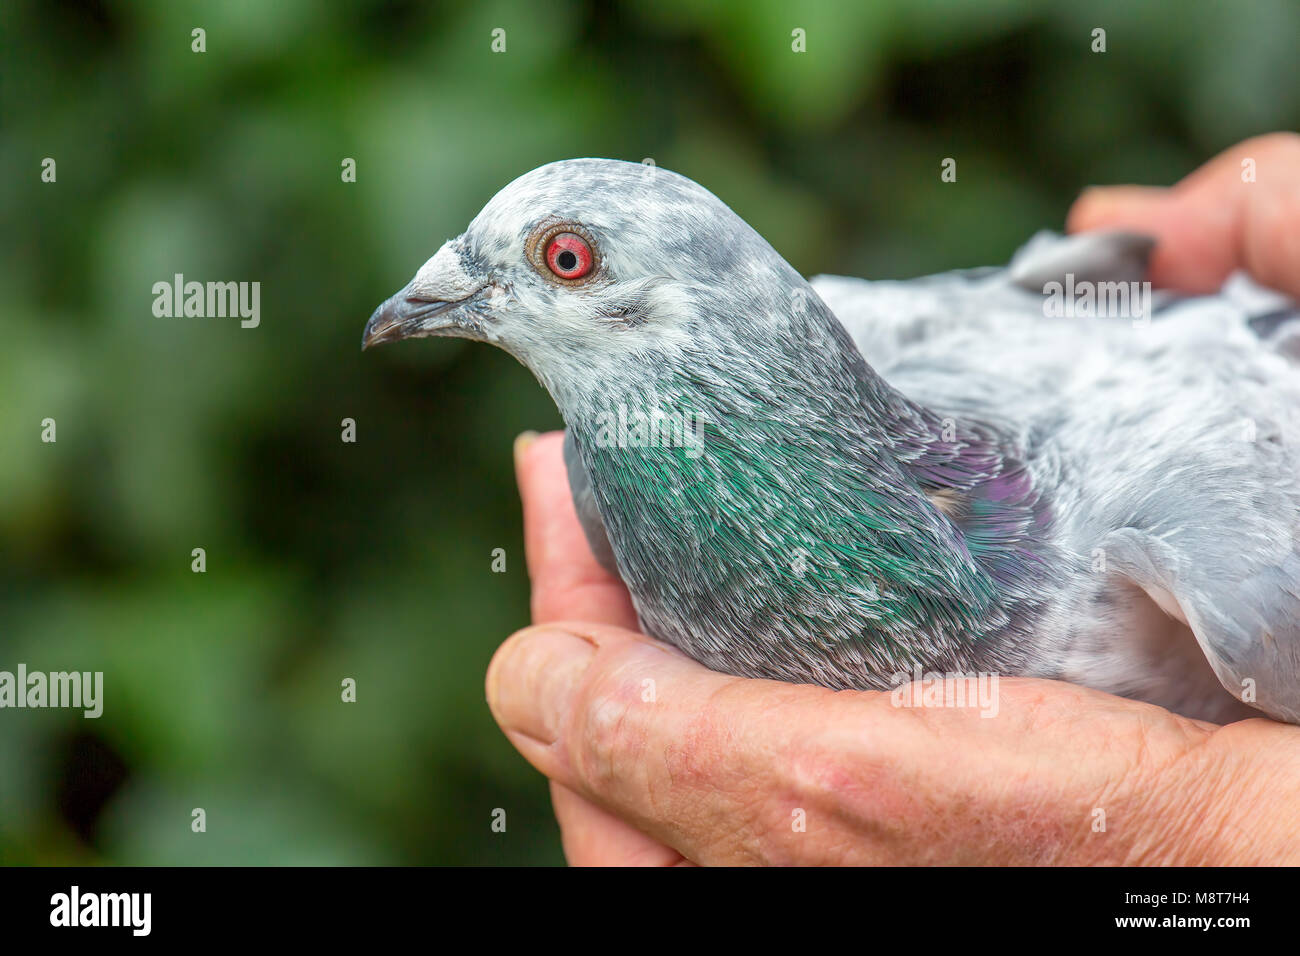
372, 560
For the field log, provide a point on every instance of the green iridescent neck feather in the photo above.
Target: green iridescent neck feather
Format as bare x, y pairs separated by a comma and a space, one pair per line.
811, 508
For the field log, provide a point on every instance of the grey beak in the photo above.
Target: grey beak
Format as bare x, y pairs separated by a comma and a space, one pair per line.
438, 301
406, 316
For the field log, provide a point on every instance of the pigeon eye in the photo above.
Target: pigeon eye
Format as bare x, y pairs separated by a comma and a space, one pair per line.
569, 256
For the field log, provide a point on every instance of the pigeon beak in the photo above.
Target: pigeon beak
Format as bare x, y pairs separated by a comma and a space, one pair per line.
406, 316
440, 300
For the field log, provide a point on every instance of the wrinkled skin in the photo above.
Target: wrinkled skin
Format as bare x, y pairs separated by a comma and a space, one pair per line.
699, 767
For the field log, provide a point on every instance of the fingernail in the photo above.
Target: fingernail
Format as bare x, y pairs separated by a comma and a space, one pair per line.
522, 441
533, 678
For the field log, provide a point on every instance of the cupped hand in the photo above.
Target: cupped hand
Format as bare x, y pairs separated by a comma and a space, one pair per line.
654, 759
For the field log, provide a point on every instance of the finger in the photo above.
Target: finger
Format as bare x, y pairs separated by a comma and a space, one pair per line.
567, 582
1224, 216
721, 769
1191, 253
594, 837
682, 753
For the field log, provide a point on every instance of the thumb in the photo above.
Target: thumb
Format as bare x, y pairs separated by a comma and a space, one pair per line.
1216, 220
1194, 250
634, 726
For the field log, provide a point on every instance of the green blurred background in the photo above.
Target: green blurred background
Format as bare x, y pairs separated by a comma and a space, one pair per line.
372, 560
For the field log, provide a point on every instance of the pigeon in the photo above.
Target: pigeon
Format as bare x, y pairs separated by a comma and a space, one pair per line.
1043, 469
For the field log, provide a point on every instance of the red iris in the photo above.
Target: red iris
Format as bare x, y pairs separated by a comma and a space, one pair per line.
569, 256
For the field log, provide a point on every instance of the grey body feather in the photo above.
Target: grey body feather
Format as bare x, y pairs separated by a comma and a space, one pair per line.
1174, 451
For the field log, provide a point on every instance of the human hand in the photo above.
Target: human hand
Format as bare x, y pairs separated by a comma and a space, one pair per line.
720, 770
1213, 222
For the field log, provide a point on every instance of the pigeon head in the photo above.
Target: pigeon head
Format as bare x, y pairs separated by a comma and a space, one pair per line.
588, 270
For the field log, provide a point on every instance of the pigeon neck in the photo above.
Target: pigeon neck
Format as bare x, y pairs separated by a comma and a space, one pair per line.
759, 490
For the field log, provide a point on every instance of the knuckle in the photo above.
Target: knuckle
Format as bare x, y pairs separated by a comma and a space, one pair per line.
824, 779
608, 736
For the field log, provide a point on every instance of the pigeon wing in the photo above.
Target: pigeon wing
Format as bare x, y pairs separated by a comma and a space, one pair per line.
884, 316
1243, 610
